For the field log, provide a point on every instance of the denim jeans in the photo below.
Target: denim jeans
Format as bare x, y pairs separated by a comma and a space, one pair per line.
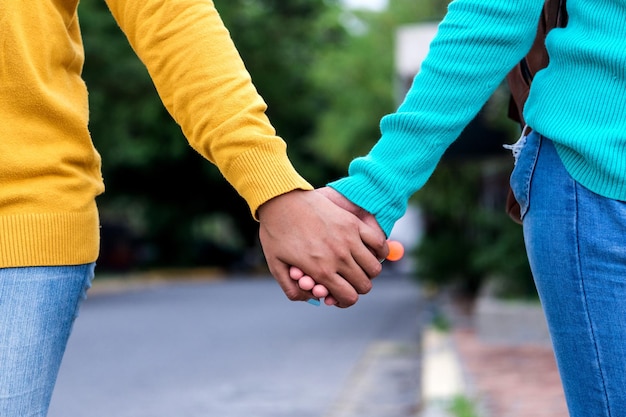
576, 245
38, 306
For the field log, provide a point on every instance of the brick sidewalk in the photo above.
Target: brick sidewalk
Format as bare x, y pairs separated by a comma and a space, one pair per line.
510, 381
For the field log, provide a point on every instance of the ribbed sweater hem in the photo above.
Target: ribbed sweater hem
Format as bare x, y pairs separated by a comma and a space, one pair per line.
49, 239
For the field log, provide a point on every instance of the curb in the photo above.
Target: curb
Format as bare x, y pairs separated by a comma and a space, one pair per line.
107, 284
384, 383
442, 375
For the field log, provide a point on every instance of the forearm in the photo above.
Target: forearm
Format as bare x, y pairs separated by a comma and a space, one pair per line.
477, 44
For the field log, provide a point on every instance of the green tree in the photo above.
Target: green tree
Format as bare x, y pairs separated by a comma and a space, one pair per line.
469, 240
357, 78
280, 42
157, 186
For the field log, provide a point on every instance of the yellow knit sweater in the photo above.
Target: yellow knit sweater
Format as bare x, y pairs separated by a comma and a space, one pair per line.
49, 169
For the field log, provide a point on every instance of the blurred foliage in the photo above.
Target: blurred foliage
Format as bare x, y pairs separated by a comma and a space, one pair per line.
279, 41
162, 198
461, 406
469, 240
160, 192
327, 75
357, 78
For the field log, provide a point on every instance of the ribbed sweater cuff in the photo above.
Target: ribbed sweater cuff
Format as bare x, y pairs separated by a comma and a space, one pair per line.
263, 173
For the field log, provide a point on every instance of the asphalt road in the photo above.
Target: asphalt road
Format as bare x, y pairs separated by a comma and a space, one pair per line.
239, 348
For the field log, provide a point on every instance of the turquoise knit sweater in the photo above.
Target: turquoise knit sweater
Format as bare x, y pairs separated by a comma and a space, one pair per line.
579, 101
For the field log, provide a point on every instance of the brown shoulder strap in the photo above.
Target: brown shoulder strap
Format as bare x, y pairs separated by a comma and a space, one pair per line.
554, 14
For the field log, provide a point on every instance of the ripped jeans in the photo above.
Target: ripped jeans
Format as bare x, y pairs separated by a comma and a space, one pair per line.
38, 306
576, 245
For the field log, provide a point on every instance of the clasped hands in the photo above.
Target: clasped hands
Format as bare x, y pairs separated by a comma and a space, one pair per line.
322, 235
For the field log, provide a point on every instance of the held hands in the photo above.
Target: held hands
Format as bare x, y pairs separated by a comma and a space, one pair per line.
306, 283
327, 237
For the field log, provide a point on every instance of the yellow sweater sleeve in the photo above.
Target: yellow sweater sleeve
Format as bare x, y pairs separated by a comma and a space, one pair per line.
205, 86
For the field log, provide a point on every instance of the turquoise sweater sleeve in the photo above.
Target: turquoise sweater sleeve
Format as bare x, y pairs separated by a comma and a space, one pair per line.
476, 45
578, 101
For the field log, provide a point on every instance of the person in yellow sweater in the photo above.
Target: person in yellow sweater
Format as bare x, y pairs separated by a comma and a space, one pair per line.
50, 174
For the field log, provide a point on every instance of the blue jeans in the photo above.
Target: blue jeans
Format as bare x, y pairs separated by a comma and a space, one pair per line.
38, 306
576, 245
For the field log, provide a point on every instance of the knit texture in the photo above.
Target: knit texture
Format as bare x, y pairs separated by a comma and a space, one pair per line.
578, 101
49, 169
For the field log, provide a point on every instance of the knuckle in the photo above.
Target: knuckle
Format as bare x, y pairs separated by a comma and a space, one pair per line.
380, 244
344, 257
350, 300
365, 287
324, 273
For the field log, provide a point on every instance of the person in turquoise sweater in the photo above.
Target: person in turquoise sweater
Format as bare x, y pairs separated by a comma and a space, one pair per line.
570, 172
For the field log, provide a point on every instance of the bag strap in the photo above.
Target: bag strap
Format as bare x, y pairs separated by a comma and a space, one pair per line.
554, 14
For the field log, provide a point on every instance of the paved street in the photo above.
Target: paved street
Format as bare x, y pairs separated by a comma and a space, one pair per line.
239, 348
